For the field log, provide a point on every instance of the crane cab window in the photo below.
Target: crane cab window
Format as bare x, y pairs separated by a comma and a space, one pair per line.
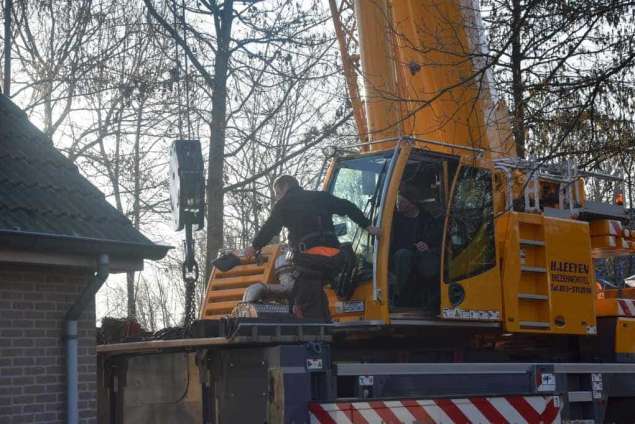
470, 246
359, 180
417, 232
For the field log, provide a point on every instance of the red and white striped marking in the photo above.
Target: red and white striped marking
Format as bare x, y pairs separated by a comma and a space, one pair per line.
476, 410
626, 307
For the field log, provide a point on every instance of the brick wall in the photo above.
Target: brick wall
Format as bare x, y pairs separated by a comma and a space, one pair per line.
33, 301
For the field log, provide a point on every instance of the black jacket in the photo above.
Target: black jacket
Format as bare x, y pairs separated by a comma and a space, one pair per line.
425, 227
306, 213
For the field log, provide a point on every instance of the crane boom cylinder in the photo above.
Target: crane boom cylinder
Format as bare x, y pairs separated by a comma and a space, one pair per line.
381, 96
427, 75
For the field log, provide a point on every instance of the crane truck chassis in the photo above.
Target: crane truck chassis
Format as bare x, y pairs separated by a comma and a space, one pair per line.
322, 373
521, 331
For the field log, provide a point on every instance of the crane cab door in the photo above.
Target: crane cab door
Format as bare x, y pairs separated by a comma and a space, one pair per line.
471, 284
416, 219
455, 275
458, 278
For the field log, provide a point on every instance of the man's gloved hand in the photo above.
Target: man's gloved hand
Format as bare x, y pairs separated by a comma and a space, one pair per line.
374, 231
422, 246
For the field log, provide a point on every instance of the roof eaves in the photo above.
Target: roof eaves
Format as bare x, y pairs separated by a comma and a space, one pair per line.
81, 245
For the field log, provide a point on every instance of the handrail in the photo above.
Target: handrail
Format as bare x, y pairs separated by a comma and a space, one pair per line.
422, 140
380, 214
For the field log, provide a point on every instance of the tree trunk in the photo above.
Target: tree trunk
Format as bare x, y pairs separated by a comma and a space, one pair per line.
216, 157
132, 308
48, 109
517, 80
136, 209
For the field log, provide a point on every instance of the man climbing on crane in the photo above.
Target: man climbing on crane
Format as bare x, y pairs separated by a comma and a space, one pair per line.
317, 257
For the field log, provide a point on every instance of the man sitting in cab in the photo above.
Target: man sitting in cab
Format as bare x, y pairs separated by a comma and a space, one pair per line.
415, 251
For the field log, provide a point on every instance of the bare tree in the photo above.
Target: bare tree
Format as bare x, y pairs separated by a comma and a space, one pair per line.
51, 50
258, 48
558, 64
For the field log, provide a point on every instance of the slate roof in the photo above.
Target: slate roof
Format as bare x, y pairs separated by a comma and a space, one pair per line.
43, 194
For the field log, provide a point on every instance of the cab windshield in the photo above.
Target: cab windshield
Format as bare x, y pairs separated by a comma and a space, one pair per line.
360, 181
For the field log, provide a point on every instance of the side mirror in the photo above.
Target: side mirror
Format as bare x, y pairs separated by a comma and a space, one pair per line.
340, 229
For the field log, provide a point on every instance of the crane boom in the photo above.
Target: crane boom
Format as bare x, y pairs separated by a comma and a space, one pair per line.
427, 76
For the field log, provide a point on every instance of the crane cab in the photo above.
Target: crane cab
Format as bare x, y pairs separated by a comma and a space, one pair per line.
500, 250
451, 204
495, 255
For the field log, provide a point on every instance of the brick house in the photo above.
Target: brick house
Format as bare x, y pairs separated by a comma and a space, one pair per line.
55, 227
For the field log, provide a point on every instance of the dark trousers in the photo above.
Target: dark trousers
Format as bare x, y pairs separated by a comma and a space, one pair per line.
416, 278
309, 300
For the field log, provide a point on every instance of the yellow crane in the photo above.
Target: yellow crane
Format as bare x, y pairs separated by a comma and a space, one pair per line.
519, 235
521, 333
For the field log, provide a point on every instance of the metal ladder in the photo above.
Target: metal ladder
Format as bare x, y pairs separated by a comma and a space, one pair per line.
534, 307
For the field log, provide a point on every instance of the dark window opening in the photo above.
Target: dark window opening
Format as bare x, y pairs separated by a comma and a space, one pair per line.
417, 232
